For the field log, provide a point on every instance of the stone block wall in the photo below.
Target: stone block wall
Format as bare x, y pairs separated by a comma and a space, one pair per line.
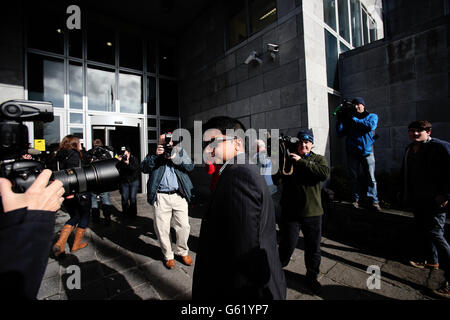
276, 94
402, 79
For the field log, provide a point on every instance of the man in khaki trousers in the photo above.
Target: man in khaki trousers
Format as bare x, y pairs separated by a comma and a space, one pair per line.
169, 191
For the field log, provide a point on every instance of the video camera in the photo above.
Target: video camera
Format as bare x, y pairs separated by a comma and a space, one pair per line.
345, 110
287, 145
101, 176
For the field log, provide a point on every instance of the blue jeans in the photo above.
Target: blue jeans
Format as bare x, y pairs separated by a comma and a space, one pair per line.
437, 249
104, 198
78, 210
355, 162
129, 191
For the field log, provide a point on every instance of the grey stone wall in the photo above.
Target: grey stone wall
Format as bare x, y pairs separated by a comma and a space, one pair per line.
213, 81
11, 52
402, 80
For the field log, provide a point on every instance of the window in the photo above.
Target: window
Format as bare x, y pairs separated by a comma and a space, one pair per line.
168, 91
332, 60
101, 89
365, 27
76, 118
344, 23
167, 59
101, 44
76, 85
168, 125
355, 10
130, 51
262, 13
151, 96
46, 79
329, 13
46, 26
130, 93
248, 17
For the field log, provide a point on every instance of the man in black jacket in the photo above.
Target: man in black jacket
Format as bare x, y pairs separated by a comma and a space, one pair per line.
27, 224
237, 257
426, 177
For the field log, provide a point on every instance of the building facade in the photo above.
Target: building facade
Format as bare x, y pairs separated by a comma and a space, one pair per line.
129, 73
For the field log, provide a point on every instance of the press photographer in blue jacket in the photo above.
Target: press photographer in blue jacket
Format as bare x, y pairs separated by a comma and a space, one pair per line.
359, 126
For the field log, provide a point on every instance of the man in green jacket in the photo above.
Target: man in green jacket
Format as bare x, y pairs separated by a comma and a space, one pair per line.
301, 207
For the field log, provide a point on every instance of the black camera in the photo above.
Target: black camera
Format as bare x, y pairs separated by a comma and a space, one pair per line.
122, 153
99, 177
345, 110
99, 153
167, 146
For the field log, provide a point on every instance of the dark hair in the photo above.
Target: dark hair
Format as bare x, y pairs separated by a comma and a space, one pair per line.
222, 123
69, 142
420, 124
98, 143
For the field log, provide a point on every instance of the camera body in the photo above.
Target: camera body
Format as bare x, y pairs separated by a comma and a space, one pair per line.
168, 148
122, 154
345, 110
101, 176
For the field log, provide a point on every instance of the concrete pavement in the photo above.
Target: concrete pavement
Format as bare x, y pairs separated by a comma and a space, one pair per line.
123, 261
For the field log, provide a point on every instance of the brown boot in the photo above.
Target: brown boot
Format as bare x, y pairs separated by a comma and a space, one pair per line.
60, 245
77, 244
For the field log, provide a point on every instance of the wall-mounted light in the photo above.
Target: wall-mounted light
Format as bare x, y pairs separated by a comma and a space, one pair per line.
109, 44
59, 31
273, 49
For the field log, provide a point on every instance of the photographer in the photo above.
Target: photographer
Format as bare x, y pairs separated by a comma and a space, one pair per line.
97, 153
27, 222
358, 126
301, 207
168, 191
128, 167
69, 156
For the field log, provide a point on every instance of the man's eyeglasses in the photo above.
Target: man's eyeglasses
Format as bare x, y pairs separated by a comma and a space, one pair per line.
215, 141
417, 129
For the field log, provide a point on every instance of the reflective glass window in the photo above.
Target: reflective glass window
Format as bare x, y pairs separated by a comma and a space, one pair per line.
75, 43
329, 13
168, 125
332, 60
151, 96
101, 89
372, 29
365, 27
355, 11
49, 131
78, 132
46, 26
101, 43
168, 92
46, 79
130, 51
76, 118
151, 56
237, 23
130, 93
152, 135
167, 59
262, 13
76, 85
151, 122
344, 22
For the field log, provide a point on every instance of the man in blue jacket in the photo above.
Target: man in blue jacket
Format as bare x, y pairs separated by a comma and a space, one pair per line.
168, 191
359, 126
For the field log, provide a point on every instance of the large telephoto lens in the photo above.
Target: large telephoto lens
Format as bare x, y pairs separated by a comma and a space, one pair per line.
100, 176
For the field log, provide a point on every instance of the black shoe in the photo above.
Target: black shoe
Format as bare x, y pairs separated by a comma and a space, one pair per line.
314, 286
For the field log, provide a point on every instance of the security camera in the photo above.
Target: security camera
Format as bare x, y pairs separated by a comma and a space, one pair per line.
253, 57
272, 47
